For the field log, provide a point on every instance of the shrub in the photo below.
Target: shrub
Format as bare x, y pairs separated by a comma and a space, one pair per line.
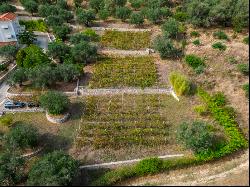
243, 68
54, 102
9, 52
201, 110
17, 77
220, 35
54, 20
85, 17
84, 52
26, 37
61, 31
6, 121
11, 168
58, 50
219, 99
197, 42
153, 15
91, 34
30, 5
196, 136
78, 37
180, 83
4, 8
149, 166
181, 16
220, 46
3, 67
246, 89
223, 117
123, 13
137, 19
31, 56
195, 34
232, 60
171, 28
21, 136
246, 40
34, 25
55, 168
166, 48
136, 4
195, 62
103, 14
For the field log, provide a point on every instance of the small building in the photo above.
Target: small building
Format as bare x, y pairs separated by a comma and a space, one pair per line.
9, 29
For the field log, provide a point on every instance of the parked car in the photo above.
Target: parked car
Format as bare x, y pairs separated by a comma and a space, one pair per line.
31, 105
11, 104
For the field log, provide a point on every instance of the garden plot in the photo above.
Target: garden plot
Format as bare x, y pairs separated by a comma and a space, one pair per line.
129, 126
124, 72
126, 40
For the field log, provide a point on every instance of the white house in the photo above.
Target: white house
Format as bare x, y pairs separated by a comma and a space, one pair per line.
9, 29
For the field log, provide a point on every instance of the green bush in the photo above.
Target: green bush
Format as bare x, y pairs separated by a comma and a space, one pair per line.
4, 8
201, 110
220, 46
197, 42
11, 168
219, 99
166, 48
149, 166
220, 35
180, 84
195, 34
171, 28
91, 34
196, 136
225, 118
136, 4
54, 102
6, 121
123, 13
181, 16
34, 25
137, 19
3, 67
243, 68
56, 169
246, 40
21, 136
246, 89
194, 61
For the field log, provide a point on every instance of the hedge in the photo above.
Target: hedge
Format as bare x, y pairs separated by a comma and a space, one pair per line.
223, 116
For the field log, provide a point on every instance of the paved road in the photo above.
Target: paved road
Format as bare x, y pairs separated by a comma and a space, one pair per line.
3, 91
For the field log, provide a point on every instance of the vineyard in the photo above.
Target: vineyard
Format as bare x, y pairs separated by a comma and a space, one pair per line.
137, 122
124, 72
126, 40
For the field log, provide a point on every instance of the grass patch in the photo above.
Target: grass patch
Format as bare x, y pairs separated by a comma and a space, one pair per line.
246, 89
246, 40
197, 42
220, 46
220, 35
194, 34
195, 62
126, 40
124, 72
35, 25
243, 68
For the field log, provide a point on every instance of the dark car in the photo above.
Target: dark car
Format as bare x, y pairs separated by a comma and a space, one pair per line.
11, 104
31, 105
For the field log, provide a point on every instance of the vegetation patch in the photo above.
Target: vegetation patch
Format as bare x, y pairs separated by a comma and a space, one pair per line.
131, 121
124, 72
195, 62
220, 46
126, 40
34, 25
220, 35
243, 68
246, 89
181, 85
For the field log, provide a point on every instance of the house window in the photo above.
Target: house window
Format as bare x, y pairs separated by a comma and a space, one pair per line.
4, 26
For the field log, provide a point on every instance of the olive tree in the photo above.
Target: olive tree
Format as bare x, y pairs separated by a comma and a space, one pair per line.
9, 52
54, 102
54, 169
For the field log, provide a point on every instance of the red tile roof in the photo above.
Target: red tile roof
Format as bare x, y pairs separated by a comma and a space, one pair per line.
7, 43
7, 16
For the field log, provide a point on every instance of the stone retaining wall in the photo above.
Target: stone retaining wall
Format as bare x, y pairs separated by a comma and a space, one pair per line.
57, 120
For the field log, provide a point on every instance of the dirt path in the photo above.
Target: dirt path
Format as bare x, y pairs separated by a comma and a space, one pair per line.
234, 171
